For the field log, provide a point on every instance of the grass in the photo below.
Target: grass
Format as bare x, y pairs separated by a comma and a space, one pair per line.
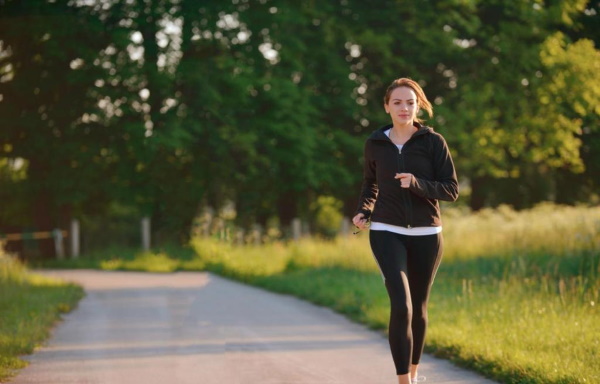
516, 297
29, 305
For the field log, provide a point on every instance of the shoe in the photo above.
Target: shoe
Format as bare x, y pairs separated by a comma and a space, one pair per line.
418, 379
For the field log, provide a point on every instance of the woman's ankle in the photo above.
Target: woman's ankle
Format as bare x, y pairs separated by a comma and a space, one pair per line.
404, 379
414, 371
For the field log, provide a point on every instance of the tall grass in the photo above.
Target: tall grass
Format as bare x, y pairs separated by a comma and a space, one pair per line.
29, 305
516, 297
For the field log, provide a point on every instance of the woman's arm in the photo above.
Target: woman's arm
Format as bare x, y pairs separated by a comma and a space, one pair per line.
369, 188
445, 184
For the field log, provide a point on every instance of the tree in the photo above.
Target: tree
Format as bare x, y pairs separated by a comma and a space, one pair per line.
159, 107
512, 133
46, 60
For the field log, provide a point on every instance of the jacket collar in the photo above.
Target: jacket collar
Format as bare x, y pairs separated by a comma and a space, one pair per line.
379, 134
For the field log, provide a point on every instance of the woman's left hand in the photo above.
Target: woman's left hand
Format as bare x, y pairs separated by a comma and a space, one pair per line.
405, 179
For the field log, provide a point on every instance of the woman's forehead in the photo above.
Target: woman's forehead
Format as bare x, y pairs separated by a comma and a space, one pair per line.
403, 93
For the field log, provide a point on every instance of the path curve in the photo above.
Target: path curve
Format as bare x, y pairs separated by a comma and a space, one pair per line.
196, 327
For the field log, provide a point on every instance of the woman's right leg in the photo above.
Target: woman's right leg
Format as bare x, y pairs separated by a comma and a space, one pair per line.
390, 252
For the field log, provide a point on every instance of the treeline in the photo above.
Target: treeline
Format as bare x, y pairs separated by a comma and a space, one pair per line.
159, 108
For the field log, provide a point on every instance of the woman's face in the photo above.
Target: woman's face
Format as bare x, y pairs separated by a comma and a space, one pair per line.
402, 106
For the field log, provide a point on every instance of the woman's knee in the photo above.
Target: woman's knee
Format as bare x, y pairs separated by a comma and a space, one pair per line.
401, 311
400, 304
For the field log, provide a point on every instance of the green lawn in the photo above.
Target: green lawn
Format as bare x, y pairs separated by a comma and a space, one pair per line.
516, 297
29, 306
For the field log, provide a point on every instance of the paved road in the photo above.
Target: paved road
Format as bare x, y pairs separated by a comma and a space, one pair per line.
199, 328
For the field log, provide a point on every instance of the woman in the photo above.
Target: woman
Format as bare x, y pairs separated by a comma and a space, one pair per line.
407, 169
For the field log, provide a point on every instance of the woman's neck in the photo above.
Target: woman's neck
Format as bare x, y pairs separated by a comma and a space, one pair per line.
404, 128
400, 134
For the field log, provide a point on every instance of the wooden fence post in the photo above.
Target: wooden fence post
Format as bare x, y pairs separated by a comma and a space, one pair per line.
146, 233
58, 243
257, 232
296, 229
345, 228
74, 239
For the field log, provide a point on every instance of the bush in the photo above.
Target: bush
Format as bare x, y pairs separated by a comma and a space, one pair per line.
327, 216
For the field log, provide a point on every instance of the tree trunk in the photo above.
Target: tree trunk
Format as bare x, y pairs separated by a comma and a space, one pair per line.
479, 186
287, 209
42, 207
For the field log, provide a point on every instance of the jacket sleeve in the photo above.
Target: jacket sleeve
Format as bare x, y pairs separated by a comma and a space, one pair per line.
369, 188
445, 184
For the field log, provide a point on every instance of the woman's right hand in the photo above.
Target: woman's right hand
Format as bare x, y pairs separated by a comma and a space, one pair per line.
359, 221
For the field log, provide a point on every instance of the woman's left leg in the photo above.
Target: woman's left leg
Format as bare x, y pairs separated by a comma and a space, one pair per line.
424, 257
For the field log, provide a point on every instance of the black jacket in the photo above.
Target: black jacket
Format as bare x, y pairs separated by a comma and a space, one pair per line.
427, 157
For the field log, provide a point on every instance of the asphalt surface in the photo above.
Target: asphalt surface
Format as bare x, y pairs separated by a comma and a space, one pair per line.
199, 328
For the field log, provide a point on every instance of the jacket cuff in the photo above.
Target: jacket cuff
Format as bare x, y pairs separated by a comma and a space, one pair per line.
366, 213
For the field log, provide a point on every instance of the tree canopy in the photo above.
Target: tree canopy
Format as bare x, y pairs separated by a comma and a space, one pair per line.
166, 106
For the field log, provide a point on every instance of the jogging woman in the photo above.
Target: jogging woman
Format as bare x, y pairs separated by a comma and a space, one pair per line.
407, 169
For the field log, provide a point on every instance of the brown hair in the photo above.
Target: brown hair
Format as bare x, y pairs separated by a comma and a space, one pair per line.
422, 101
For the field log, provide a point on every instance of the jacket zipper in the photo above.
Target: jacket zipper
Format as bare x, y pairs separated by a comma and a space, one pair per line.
405, 194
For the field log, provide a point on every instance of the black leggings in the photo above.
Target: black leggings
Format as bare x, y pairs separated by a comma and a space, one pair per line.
408, 265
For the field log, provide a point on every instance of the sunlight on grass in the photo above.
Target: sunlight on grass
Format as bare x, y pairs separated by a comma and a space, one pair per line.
515, 298
30, 304
146, 261
546, 230
525, 330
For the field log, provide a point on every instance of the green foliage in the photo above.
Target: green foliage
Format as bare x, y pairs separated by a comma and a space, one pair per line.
328, 219
170, 105
30, 305
519, 118
12, 175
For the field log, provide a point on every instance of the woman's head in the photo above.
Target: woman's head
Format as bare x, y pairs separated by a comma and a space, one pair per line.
422, 102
